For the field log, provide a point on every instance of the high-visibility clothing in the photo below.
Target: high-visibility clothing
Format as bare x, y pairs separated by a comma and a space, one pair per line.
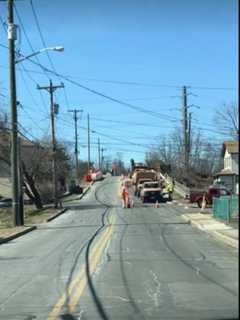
169, 188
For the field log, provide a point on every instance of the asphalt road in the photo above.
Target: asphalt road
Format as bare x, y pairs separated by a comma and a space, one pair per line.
99, 261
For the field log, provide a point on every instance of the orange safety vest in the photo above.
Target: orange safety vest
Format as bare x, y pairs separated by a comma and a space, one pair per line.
124, 192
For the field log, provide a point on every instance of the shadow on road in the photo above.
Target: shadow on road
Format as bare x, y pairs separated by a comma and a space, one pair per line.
78, 206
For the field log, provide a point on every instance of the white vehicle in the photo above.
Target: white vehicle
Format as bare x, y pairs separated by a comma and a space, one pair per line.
97, 176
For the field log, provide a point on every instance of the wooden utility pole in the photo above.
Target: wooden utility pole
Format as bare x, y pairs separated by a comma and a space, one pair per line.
189, 134
89, 155
185, 127
14, 122
75, 112
51, 90
99, 155
20, 181
102, 158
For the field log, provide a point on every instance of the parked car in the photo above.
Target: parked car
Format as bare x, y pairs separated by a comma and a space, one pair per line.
151, 191
212, 192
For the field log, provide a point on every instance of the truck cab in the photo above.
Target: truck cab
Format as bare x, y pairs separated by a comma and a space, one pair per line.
213, 191
151, 191
139, 186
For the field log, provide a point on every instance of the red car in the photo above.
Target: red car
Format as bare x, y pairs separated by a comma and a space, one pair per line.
213, 192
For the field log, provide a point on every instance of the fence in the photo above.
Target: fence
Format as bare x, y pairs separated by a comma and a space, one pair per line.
226, 208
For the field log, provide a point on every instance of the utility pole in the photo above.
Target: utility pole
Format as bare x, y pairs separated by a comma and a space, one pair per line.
21, 193
88, 127
75, 112
102, 158
189, 134
50, 89
185, 127
99, 156
13, 105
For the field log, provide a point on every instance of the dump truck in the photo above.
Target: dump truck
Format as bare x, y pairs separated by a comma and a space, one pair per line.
142, 174
151, 191
140, 185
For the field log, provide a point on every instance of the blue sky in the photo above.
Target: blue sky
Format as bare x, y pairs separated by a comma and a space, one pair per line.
159, 46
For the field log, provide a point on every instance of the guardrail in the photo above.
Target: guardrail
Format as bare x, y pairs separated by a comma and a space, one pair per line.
226, 208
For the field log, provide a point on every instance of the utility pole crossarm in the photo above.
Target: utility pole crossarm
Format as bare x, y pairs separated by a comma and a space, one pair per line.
51, 87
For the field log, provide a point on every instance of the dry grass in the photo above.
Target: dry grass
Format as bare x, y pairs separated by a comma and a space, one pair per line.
32, 216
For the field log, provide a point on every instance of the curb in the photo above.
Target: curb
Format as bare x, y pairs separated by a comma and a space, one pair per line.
56, 215
216, 234
86, 190
231, 242
16, 235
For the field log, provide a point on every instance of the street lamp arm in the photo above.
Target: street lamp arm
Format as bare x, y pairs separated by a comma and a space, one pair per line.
58, 48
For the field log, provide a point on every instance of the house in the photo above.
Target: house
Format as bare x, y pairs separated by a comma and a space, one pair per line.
229, 175
28, 149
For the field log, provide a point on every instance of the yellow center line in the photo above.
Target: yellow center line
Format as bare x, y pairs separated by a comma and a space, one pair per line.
80, 280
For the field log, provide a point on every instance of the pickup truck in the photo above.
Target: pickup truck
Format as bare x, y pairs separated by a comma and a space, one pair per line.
212, 192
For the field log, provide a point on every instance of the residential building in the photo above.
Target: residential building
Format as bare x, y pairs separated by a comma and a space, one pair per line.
229, 175
27, 152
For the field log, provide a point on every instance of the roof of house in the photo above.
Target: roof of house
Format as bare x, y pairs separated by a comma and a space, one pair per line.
225, 172
230, 146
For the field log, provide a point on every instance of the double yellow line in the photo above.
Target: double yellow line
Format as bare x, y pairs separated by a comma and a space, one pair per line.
78, 284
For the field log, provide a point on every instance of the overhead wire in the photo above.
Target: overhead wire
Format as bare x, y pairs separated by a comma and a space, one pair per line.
135, 83
139, 109
45, 45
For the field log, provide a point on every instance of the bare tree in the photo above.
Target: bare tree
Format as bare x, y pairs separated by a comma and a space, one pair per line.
203, 162
226, 119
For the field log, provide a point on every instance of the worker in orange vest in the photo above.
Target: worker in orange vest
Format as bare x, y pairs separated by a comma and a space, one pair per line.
125, 196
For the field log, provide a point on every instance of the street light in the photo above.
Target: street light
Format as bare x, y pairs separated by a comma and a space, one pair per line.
12, 37
57, 48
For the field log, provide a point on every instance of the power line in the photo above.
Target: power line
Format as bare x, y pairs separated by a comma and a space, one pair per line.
70, 79
139, 109
33, 121
105, 135
126, 122
70, 125
22, 70
45, 45
134, 83
27, 38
